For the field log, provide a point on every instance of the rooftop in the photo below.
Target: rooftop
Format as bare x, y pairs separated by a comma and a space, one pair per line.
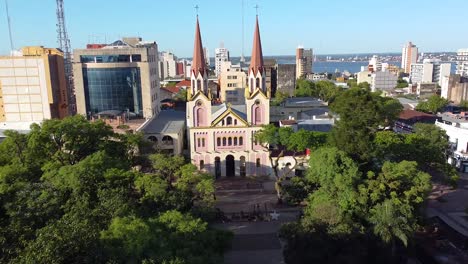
304, 102
167, 122
415, 115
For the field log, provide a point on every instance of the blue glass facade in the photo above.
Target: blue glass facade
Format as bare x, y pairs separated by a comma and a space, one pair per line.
113, 89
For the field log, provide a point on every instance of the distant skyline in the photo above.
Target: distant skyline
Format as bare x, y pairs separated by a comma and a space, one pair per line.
329, 27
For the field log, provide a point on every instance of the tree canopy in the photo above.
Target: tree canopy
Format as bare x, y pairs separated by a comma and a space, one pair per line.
433, 105
70, 193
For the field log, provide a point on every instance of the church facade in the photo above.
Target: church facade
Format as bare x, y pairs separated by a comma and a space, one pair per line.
221, 135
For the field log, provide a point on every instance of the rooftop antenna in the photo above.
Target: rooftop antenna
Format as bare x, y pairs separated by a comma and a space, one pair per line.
12, 47
242, 59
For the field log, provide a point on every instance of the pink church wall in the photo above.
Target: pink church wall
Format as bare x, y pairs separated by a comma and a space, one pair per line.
224, 144
201, 141
200, 117
258, 114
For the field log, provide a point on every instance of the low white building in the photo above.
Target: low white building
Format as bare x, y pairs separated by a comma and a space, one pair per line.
458, 137
431, 70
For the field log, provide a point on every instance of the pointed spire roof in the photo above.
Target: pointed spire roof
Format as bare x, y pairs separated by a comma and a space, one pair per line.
256, 61
198, 63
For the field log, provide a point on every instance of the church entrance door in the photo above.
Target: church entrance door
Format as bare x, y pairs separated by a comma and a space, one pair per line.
230, 166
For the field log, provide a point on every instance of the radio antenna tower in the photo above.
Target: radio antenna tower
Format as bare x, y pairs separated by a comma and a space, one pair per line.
12, 47
64, 45
242, 59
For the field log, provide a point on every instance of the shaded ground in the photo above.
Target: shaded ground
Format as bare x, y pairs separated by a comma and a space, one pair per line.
254, 242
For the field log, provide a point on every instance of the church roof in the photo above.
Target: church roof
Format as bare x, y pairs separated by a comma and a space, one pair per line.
218, 110
256, 61
198, 62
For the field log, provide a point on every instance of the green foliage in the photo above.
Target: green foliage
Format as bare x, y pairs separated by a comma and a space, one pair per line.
361, 114
463, 105
68, 194
304, 88
433, 105
280, 97
181, 95
401, 83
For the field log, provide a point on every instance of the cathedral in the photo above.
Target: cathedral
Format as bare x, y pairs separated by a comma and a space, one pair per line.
221, 134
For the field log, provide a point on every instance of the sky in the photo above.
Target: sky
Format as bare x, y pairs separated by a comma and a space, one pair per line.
327, 26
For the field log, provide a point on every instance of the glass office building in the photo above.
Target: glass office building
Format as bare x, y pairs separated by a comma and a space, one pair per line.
113, 90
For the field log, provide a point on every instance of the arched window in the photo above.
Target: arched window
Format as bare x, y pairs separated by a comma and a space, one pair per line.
199, 85
167, 140
198, 142
218, 142
235, 122
235, 141
241, 141
193, 85
229, 121
202, 164
224, 141
252, 87
258, 115
258, 163
203, 142
153, 139
257, 83
230, 141
200, 117
222, 122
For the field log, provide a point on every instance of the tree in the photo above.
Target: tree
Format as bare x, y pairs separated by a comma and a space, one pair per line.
181, 95
401, 83
463, 105
278, 140
304, 88
361, 114
280, 97
69, 193
433, 105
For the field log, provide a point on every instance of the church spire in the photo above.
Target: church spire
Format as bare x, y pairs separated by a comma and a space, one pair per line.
198, 63
256, 61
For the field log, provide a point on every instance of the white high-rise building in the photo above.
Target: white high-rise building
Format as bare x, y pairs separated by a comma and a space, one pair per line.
430, 71
375, 64
409, 55
169, 64
221, 55
207, 56
462, 62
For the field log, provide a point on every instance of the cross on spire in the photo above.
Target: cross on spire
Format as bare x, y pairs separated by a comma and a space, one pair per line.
196, 7
256, 9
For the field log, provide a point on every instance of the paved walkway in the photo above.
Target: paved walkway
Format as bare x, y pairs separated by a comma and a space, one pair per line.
450, 205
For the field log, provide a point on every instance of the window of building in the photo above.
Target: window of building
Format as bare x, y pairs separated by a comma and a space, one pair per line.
198, 142
229, 121
235, 122
241, 141
202, 164
203, 142
224, 141
258, 163
235, 141
230, 141
218, 142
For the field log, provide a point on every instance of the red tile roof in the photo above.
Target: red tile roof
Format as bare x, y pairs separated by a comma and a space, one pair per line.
171, 89
412, 114
185, 83
288, 122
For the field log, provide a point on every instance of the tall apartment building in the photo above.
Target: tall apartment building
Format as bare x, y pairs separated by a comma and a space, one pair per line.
304, 59
206, 52
462, 62
409, 55
375, 64
221, 56
431, 70
232, 85
32, 87
121, 77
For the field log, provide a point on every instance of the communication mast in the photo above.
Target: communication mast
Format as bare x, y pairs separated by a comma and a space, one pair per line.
12, 47
64, 44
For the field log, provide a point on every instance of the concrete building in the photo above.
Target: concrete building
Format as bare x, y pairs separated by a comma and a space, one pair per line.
221, 55
169, 65
286, 78
271, 74
409, 55
120, 78
457, 131
32, 87
304, 59
232, 85
221, 136
426, 90
462, 62
430, 70
166, 132
364, 76
383, 80
455, 88
375, 64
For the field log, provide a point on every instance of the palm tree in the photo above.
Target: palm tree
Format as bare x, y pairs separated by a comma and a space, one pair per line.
390, 224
